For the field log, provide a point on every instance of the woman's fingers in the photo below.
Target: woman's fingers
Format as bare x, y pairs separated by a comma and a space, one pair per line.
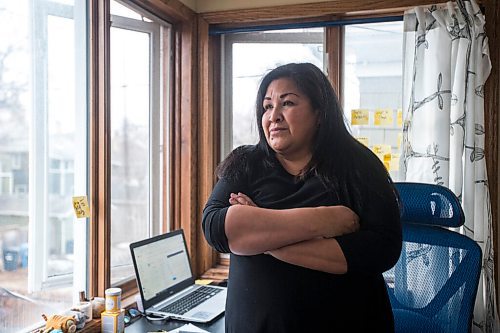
240, 199
338, 220
245, 199
350, 220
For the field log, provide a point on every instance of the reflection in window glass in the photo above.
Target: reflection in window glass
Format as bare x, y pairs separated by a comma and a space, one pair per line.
136, 138
373, 87
118, 9
253, 55
43, 137
61, 140
129, 144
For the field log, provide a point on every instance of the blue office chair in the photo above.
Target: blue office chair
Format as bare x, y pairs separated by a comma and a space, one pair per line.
433, 286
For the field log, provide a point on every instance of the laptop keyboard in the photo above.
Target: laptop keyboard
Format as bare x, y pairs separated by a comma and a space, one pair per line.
186, 303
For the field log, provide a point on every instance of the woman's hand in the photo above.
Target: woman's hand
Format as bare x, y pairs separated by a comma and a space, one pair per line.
241, 199
337, 220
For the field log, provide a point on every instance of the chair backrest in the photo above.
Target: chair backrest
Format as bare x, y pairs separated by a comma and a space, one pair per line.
434, 283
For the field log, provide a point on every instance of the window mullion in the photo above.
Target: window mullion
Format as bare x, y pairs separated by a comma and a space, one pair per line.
155, 130
334, 46
80, 229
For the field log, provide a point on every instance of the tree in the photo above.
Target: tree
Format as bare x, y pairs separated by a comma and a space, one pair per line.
12, 112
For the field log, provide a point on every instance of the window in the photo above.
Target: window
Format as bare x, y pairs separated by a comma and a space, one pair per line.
371, 81
43, 111
137, 133
55, 113
250, 56
373, 69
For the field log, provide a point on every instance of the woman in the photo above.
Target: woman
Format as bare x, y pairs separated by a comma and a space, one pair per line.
309, 215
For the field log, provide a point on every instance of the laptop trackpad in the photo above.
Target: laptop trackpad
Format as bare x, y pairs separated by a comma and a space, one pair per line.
202, 315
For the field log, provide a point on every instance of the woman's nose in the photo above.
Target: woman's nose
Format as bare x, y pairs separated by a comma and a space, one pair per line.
275, 115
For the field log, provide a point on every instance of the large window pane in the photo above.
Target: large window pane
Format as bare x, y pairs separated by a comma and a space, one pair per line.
136, 135
373, 87
43, 158
61, 143
251, 56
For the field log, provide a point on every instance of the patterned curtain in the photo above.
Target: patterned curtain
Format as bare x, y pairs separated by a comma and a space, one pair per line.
446, 63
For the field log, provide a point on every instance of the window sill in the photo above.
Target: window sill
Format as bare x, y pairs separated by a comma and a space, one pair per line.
93, 326
217, 274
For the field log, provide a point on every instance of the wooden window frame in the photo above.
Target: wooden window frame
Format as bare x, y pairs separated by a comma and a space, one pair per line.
182, 106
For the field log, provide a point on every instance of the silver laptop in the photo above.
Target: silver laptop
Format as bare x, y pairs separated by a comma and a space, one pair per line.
166, 282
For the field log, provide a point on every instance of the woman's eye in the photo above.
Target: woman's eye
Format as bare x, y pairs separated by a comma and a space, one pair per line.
268, 106
288, 103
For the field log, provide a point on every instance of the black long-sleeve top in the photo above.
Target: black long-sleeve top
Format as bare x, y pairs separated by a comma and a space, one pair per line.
269, 295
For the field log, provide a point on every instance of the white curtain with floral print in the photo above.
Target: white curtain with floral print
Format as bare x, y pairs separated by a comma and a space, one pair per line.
446, 63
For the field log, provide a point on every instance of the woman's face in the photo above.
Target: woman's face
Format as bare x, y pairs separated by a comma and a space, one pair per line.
289, 122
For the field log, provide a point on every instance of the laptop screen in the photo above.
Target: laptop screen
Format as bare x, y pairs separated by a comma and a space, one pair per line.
161, 263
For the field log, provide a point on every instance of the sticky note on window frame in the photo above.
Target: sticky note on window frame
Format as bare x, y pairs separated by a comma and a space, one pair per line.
394, 164
382, 149
400, 118
360, 117
363, 139
383, 117
81, 206
399, 140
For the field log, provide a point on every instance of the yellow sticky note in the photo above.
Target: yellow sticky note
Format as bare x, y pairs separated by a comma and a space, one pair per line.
81, 206
400, 117
383, 117
400, 139
381, 157
359, 117
387, 161
394, 164
363, 140
382, 149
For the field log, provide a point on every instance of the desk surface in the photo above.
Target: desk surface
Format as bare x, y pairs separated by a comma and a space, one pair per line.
142, 325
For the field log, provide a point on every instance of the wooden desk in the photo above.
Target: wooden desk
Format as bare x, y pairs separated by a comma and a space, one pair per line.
142, 325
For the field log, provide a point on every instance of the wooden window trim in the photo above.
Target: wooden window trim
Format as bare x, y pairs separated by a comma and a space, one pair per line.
334, 40
99, 156
492, 123
311, 11
183, 105
208, 153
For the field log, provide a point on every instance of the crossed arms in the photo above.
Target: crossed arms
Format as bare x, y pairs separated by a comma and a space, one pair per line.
289, 234
326, 238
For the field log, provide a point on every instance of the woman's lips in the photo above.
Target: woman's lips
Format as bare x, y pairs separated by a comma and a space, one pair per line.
277, 129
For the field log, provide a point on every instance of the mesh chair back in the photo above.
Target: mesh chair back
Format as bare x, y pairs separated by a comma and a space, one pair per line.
434, 284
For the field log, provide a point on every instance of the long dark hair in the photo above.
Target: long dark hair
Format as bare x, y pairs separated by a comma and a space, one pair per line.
338, 159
